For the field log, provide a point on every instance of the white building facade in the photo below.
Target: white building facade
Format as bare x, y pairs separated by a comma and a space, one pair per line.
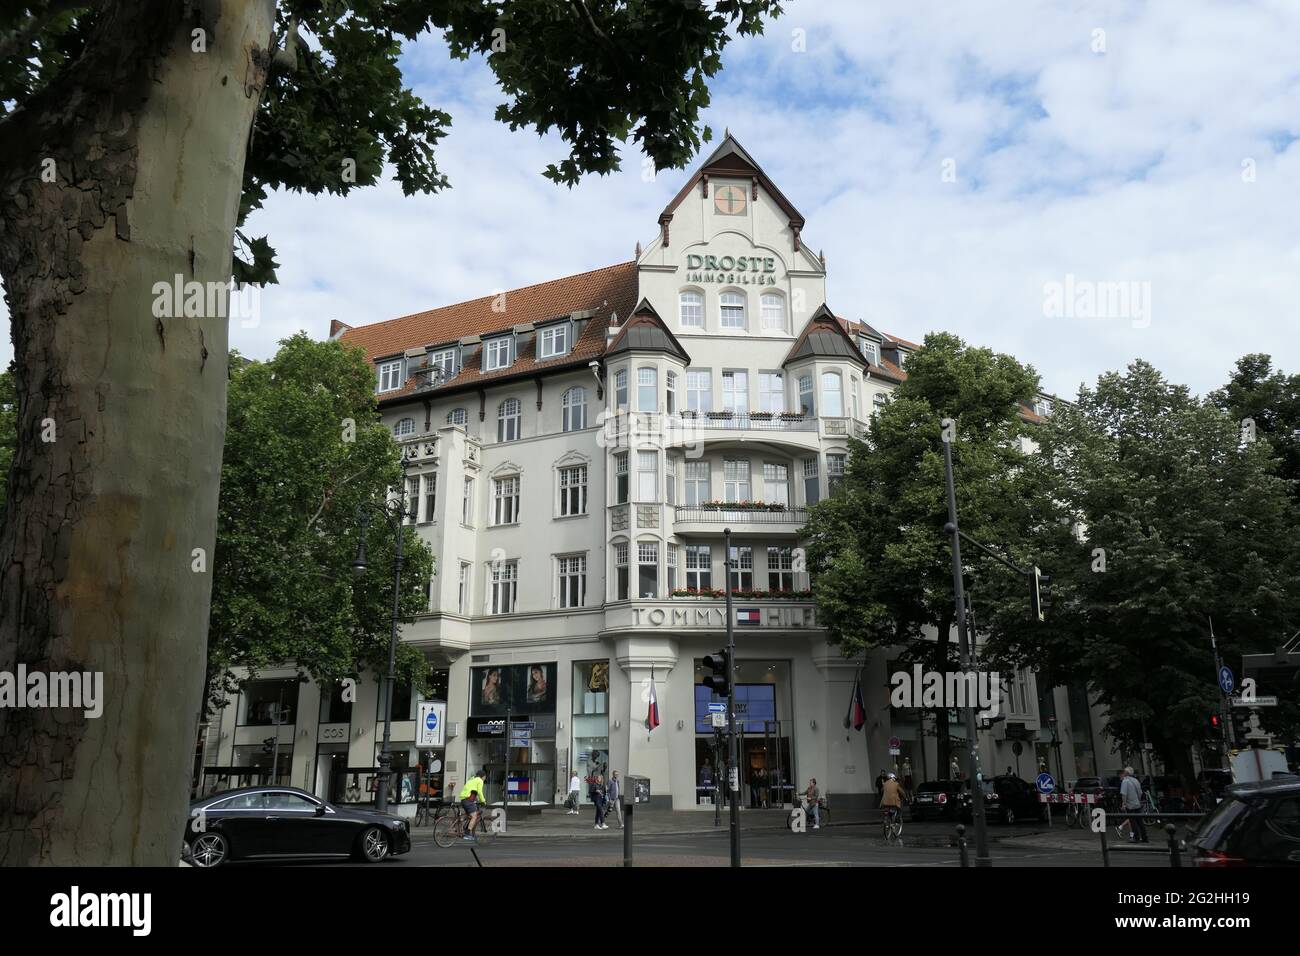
575, 450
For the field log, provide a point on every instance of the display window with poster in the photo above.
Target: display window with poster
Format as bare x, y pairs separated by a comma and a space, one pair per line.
590, 723
511, 733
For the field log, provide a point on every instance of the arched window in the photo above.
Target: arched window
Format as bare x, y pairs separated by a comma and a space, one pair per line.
458, 416
620, 388
732, 306
773, 309
647, 389
575, 409
691, 310
508, 420
832, 395
405, 427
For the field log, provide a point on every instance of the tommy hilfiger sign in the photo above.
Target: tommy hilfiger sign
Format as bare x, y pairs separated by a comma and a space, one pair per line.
803, 615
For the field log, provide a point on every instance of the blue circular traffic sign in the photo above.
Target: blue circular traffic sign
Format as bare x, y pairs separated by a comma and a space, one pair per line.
431, 721
1045, 783
1226, 681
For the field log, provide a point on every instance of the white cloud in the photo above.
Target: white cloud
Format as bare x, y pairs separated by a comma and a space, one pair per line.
1122, 166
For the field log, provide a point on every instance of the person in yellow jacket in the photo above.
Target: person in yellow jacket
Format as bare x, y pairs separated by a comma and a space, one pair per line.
472, 798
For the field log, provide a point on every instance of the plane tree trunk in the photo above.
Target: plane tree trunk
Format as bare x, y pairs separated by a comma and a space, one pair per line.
106, 549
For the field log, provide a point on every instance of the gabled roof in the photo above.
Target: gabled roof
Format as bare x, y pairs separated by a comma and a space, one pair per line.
646, 332
824, 337
603, 292
731, 159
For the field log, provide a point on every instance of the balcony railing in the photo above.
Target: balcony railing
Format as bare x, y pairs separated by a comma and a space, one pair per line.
724, 515
743, 421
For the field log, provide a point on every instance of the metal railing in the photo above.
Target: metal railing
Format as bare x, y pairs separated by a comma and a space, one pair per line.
742, 421
790, 516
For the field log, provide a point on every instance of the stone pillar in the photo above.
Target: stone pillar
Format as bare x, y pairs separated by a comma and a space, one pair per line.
650, 753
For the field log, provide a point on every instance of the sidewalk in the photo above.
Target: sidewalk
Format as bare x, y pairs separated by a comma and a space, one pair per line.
654, 822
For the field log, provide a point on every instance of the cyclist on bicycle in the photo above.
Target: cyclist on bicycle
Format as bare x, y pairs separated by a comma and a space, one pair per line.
891, 796
471, 797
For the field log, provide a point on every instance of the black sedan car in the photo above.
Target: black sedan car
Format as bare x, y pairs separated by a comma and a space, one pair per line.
938, 800
268, 823
1009, 799
1256, 824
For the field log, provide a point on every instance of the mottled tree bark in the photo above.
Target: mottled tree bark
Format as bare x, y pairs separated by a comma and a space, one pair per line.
97, 554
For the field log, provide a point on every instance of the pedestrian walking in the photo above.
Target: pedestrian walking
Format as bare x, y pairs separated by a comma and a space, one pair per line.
597, 794
762, 787
616, 797
880, 784
575, 788
1130, 793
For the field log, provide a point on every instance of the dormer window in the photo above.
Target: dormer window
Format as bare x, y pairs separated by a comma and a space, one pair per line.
902, 358
1042, 407
553, 341
869, 351
498, 353
444, 359
390, 376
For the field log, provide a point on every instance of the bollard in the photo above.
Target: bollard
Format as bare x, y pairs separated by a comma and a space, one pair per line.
961, 844
627, 833
1175, 854
1105, 850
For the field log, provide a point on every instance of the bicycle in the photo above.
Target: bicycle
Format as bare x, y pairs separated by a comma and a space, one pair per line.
449, 827
891, 822
823, 815
426, 811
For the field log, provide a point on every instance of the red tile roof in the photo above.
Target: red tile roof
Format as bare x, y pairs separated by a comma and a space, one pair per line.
609, 291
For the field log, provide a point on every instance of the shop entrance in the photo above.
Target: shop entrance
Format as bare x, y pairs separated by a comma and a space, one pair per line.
765, 729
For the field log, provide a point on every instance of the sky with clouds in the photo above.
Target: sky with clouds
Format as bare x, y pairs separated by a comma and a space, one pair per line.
954, 160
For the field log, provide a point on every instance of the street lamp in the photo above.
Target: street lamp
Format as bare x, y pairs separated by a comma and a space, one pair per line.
394, 513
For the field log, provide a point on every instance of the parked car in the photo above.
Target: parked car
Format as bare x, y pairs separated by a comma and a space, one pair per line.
267, 823
1009, 799
1256, 824
939, 800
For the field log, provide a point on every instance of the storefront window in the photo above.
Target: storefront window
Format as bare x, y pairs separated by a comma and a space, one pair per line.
259, 699
512, 731
763, 709
590, 722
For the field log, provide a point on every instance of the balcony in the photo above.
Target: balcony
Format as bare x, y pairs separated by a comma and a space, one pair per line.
711, 519
743, 421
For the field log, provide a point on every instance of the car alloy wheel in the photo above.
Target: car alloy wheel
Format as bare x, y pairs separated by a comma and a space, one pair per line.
209, 850
1008, 816
374, 844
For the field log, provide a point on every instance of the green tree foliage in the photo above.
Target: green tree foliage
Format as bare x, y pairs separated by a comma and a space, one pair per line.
335, 109
304, 449
877, 553
1271, 401
1193, 526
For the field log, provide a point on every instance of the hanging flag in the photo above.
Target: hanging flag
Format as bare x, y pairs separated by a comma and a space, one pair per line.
859, 705
652, 712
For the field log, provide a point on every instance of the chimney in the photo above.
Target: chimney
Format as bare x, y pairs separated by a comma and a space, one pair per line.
337, 328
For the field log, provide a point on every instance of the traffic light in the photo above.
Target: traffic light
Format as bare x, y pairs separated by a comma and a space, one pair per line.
1039, 594
1215, 725
268, 746
719, 681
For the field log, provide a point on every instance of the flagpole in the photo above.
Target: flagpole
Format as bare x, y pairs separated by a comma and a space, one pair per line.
733, 782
